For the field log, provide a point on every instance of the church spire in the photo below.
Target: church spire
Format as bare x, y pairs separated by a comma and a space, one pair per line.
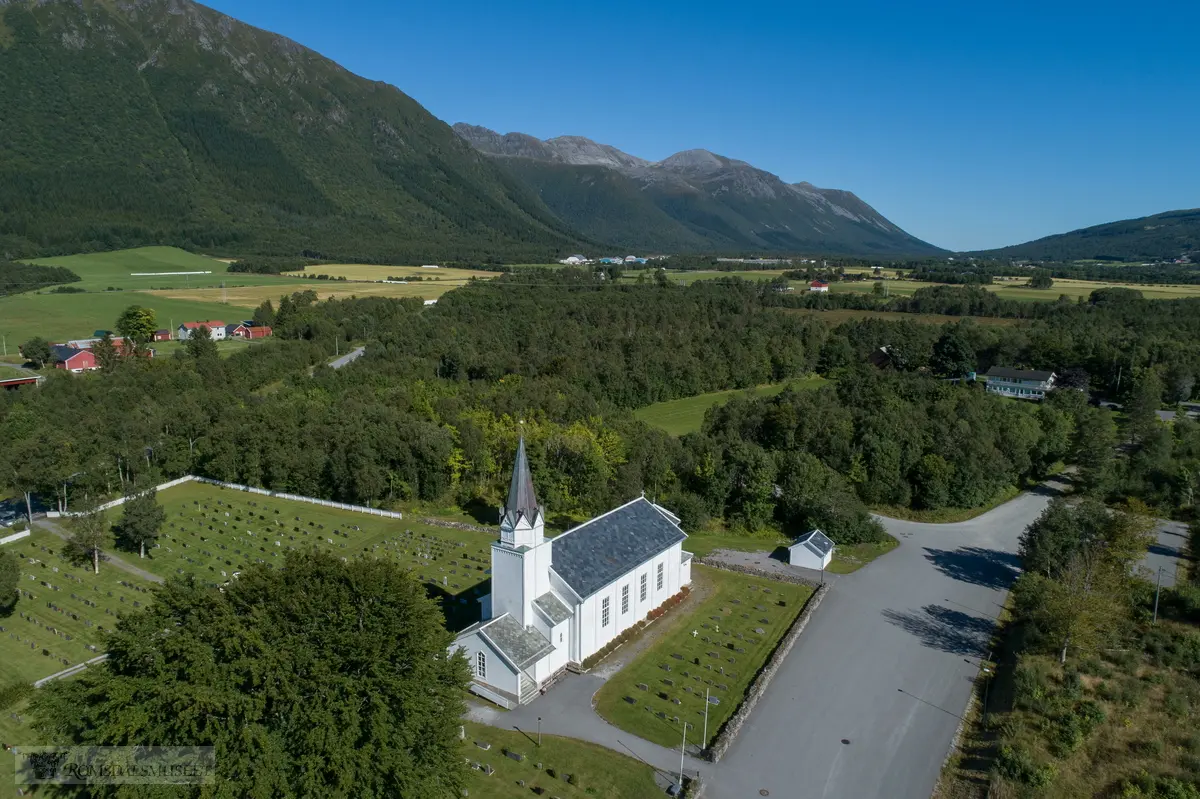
522, 502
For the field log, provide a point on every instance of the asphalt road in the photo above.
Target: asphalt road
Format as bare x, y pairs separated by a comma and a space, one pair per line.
349, 357
1165, 552
868, 701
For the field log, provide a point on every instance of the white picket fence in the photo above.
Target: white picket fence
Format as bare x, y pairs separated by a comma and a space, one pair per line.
8, 539
387, 514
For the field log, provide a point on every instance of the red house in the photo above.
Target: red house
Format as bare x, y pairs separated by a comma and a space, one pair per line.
162, 335
72, 359
258, 331
818, 285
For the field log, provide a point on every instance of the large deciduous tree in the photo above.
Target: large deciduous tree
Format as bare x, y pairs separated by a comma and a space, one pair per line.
320, 678
10, 575
137, 325
141, 522
37, 349
89, 538
200, 344
1081, 558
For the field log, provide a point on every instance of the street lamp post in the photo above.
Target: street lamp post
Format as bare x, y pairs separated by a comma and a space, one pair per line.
539, 730
1157, 591
705, 738
682, 748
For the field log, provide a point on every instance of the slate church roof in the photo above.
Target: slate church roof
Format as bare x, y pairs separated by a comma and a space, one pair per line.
524, 646
522, 501
552, 608
599, 551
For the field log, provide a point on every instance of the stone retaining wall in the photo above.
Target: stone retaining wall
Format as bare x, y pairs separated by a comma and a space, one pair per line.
475, 528
717, 563
733, 725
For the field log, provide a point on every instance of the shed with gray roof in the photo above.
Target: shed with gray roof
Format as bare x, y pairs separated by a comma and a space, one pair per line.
813, 550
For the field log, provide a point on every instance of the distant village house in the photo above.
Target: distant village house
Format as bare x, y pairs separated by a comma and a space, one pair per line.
1019, 383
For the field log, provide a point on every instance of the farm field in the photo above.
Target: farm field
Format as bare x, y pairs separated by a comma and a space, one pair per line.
1074, 289
213, 532
101, 270
736, 626
59, 317
8, 372
250, 297
839, 315
64, 610
686, 415
594, 770
376, 272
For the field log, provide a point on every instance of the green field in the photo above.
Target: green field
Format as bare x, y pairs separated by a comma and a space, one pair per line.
102, 270
594, 770
59, 317
8, 372
737, 626
687, 415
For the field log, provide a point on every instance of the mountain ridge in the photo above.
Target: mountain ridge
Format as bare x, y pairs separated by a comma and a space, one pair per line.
1164, 236
134, 122
714, 201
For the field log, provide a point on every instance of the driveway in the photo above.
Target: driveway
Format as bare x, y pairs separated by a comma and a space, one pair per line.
868, 701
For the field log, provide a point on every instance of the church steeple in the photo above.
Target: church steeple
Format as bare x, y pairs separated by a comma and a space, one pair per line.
521, 516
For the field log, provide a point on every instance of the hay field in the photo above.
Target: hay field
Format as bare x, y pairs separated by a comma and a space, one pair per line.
376, 272
253, 296
59, 317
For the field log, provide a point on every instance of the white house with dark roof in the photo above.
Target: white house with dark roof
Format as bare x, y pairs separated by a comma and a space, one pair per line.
559, 601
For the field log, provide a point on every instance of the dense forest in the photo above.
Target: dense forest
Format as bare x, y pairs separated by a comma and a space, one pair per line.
1162, 236
433, 411
16, 278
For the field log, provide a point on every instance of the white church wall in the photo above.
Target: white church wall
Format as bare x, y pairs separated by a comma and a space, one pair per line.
593, 635
508, 583
499, 674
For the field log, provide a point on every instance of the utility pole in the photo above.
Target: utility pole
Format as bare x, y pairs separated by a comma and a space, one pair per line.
1157, 591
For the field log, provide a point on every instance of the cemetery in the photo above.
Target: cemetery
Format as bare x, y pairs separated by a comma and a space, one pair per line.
508, 764
715, 651
63, 611
215, 533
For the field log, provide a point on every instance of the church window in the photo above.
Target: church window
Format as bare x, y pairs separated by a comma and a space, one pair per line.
643, 587
604, 612
625, 599
481, 665
660, 576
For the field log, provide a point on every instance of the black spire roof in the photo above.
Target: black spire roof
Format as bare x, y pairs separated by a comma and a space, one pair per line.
522, 502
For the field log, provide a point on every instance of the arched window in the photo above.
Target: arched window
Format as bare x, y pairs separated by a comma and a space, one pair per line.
481, 665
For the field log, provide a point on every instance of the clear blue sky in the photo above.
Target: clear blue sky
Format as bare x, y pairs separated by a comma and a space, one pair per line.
971, 124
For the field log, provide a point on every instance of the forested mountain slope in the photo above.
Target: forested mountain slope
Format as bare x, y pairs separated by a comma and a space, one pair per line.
162, 121
1164, 236
692, 200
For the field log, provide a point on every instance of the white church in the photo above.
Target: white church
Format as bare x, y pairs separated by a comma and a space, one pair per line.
558, 601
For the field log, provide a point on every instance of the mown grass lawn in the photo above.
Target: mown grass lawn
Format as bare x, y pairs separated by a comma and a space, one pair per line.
686, 415
720, 647
595, 771
851, 558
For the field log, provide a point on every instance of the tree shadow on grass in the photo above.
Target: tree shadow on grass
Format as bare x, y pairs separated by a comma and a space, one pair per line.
943, 628
987, 567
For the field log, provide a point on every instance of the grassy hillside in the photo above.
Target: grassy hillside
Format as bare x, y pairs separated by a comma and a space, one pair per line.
149, 267
1162, 236
168, 123
687, 415
65, 316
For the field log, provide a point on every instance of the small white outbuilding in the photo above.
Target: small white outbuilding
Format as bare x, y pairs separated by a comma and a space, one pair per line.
813, 550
